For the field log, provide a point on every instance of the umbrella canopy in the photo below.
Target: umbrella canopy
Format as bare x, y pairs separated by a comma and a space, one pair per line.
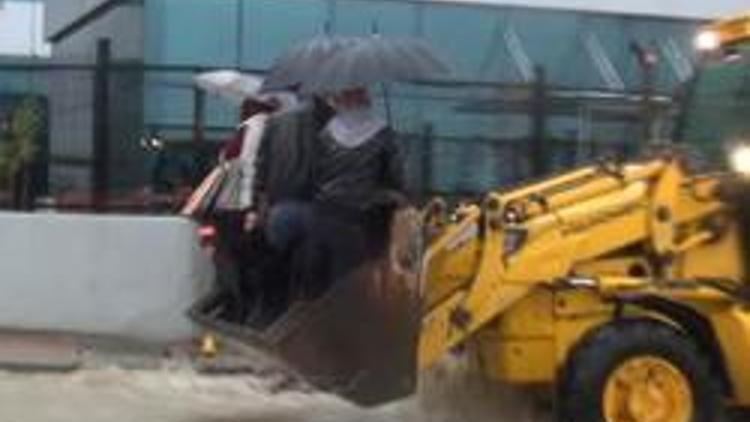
296, 65
230, 84
375, 60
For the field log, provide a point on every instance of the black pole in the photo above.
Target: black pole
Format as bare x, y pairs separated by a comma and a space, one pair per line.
239, 42
387, 104
649, 111
685, 98
648, 60
428, 138
538, 150
200, 162
100, 174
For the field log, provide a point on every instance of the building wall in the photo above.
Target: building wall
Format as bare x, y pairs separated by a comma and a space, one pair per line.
250, 34
474, 37
123, 25
62, 13
72, 96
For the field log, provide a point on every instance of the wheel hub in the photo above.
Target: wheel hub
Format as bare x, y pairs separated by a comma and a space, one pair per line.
648, 389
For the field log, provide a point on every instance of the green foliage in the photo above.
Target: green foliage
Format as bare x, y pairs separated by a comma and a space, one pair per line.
19, 139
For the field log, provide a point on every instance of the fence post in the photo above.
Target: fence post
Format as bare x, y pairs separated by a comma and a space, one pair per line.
426, 156
200, 158
648, 62
101, 126
539, 150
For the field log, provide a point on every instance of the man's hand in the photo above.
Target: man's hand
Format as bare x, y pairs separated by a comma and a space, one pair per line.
252, 220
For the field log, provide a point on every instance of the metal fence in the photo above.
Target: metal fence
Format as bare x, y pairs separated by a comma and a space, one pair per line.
461, 138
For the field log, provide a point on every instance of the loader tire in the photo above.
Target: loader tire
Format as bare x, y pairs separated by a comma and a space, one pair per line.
639, 370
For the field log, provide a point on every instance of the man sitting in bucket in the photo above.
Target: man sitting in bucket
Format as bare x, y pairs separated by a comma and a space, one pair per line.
358, 181
328, 175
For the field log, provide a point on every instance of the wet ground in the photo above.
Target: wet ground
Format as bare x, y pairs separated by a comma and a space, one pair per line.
115, 385
179, 394
115, 395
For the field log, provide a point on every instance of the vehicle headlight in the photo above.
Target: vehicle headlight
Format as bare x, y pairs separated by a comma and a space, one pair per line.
707, 41
739, 159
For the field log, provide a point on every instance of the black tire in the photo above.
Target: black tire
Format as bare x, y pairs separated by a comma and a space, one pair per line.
599, 355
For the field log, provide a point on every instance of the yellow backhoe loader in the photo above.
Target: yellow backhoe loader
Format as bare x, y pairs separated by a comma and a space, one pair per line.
619, 289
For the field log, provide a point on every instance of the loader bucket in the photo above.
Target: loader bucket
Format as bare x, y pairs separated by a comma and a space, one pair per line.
357, 341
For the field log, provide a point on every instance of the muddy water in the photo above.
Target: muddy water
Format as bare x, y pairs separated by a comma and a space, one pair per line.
456, 391
451, 393
114, 395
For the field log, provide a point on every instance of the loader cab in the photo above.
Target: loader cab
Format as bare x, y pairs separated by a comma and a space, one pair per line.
716, 113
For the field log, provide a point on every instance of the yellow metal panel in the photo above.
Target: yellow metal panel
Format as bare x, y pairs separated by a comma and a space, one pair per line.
578, 186
439, 334
584, 215
577, 312
451, 271
733, 330
554, 255
516, 348
531, 317
720, 259
436, 332
456, 237
524, 361
580, 303
663, 201
609, 267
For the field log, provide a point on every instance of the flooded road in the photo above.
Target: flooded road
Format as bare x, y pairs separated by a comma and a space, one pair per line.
180, 395
115, 395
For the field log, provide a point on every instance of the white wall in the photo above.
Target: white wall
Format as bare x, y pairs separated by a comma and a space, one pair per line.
125, 276
703, 9
22, 29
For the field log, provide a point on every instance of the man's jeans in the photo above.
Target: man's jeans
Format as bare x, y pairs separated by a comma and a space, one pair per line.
288, 223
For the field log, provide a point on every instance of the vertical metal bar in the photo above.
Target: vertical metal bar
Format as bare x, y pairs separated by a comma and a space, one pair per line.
199, 117
684, 101
101, 125
332, 11
240, 41
538, 150
387, 103
648, 60
649, 111
199, 107
426, 151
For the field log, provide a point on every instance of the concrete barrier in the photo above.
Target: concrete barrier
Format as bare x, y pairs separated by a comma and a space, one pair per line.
123, 276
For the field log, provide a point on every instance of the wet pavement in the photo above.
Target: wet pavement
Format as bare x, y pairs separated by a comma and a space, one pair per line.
180, 395
44, 379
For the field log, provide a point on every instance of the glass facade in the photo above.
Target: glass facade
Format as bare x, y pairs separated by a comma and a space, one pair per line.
580, 52
468, 134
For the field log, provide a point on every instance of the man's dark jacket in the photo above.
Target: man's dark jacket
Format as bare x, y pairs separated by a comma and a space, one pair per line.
284, 164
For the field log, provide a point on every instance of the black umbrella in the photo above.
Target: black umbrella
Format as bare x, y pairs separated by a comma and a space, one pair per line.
296, 65
376, 60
